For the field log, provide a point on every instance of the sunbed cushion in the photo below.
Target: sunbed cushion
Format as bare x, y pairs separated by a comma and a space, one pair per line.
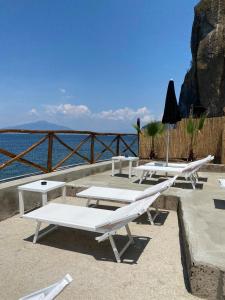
158, 188
128, 212
195, 165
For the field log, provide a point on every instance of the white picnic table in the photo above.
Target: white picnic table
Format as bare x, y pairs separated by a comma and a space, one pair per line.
120, 159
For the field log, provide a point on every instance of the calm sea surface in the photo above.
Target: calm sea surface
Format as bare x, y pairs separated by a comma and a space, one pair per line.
16, 143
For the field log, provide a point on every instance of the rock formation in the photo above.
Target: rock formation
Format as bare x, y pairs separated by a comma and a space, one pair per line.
204, 84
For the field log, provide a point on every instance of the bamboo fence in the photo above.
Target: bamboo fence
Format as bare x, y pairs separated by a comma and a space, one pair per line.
211, 140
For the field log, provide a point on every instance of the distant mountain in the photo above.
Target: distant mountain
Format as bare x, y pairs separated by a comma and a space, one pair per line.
40, 125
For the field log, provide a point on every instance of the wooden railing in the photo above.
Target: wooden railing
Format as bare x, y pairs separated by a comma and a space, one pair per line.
116, 144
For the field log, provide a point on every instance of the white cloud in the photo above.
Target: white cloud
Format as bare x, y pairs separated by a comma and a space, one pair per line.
67, 109
126, 114
120, 117
63, 91
33, 112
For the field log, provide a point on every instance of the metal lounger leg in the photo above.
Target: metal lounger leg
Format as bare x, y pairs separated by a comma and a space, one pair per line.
142, 177
36, 232
129, 234
195, 175
193, 181
156, 213
115, 250
38, 236
150, 217
146, 175
130, 241
151, 173
116, 253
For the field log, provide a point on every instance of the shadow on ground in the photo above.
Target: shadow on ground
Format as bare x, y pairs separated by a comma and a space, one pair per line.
219, 204
159, 220
178, 184
84, 242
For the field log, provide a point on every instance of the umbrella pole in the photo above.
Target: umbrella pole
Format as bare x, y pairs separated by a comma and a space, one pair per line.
167, 146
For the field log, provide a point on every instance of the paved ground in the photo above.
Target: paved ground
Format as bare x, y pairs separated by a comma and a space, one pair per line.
203, 208
152, 269
203, 213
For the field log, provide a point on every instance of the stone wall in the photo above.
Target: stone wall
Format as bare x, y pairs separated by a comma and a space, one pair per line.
9, 202
204, 84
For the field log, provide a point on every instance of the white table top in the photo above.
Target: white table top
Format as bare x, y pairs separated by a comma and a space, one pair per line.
125, 158
36, 186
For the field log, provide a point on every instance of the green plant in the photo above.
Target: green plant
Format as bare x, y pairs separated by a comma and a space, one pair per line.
153, 129
194, 127
137, 128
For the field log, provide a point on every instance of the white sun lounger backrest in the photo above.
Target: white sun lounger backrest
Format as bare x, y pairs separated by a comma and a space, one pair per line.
127, 213
194, 166
158, 188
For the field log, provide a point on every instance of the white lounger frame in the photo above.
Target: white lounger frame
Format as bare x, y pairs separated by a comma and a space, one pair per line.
109, 235
102, 196
108, 228
150, 217
189, 172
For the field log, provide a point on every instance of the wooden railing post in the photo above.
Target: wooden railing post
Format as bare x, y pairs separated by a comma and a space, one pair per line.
50, 148
138, 142
138, 135
92, 149
118, 145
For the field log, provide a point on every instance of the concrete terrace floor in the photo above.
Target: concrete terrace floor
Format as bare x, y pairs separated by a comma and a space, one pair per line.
203, 209
155, 273
151, 269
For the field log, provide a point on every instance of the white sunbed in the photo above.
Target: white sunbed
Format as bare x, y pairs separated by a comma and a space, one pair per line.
189, 171
101, 221
124, 195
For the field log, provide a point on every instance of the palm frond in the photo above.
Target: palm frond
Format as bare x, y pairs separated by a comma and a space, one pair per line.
191, 126
201, 122
137, 128
152, 129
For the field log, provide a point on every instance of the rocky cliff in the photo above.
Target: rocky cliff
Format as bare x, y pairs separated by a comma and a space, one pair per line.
204, 84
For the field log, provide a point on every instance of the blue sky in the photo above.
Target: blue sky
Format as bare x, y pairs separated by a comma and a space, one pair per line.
91, 64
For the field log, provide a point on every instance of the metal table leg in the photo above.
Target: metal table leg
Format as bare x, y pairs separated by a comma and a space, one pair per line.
21, 203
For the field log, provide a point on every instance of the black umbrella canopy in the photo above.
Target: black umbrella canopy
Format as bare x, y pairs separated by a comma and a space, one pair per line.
171, 111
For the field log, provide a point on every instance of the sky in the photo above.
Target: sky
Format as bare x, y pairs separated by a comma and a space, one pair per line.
91, 64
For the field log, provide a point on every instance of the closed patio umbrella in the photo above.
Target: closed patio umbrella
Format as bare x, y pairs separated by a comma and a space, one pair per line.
171, 114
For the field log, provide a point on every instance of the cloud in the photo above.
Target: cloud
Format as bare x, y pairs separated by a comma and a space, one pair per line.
126, 114
33, 112
63, 91
67, 109
113, 118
